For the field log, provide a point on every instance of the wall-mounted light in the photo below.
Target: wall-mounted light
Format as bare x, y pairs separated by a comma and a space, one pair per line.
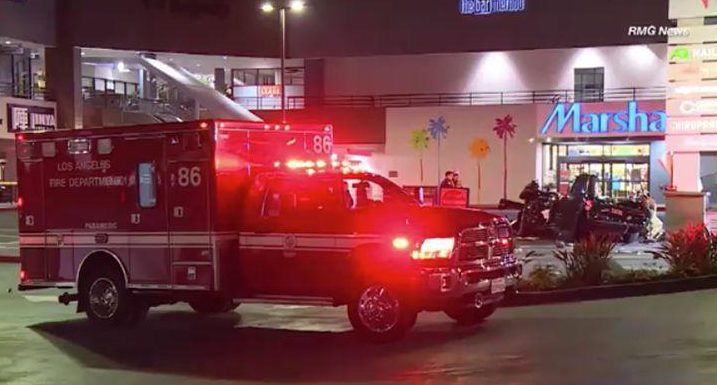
267, 7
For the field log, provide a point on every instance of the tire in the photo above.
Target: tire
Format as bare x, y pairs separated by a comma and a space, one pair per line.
379, 313
213, 305
470, 316
107, 300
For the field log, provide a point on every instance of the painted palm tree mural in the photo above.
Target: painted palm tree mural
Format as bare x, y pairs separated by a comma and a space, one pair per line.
419, 143
438, 129
479, 150
505, 128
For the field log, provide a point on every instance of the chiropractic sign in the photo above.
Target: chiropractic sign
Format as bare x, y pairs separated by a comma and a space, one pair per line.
489, 7
616, 119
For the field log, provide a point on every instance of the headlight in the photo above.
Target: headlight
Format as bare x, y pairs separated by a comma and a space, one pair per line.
435, 248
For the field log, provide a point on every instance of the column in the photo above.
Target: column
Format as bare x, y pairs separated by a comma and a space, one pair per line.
64, 84
220, 80
313, 81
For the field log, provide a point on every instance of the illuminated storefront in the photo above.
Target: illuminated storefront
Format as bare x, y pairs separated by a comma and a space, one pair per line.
622, 143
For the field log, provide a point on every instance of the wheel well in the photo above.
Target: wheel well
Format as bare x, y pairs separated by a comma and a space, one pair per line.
94, 260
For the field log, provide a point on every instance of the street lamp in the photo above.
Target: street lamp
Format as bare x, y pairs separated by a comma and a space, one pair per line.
295, 6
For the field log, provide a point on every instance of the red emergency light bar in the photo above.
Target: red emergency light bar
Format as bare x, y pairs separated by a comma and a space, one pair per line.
233, 125
252, 146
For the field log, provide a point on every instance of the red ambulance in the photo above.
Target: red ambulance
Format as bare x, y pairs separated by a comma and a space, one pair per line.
218, 213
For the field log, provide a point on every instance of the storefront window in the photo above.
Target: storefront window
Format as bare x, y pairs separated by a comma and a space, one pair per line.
622, 170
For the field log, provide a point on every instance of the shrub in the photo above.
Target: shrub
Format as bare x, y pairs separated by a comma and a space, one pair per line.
690, 251
636, 275
588, 261
545, 277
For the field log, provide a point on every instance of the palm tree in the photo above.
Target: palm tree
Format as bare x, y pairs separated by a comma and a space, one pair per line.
479, 149
419, 142
504, 128
438, 130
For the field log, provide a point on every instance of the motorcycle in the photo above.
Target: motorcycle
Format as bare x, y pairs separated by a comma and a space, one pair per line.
582, 212
534, 213
545, 214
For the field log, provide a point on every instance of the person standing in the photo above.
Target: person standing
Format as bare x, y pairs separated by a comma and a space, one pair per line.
448, 180
457, 180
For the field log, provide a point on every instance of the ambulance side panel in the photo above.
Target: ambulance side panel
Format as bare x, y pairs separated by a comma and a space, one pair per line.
83, 193
31, 211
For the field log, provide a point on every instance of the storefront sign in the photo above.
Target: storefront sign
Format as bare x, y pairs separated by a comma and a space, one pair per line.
603, 119
691, 143
489, 7
692, 126
30, 118
699, 52
692, 8
692, 107
269, 91
694, 89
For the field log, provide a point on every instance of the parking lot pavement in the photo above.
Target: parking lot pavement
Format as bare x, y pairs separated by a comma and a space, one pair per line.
659, 340
629, 256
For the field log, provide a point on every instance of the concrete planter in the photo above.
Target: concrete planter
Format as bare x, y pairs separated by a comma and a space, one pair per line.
611, 291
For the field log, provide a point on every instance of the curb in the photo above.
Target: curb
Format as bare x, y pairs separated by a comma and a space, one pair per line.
627, 290
9, 259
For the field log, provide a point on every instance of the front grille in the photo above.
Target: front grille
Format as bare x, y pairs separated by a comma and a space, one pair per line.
477, 234
471, 252
481, 242
474, 244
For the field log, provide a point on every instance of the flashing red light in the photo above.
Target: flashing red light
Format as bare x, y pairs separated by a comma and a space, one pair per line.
504, 241
266, 126
21, 137
19, 202
23, 275
226, 163
203, 125
287, 127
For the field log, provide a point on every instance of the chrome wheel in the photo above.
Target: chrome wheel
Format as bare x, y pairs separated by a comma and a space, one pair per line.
378, 309
104, 298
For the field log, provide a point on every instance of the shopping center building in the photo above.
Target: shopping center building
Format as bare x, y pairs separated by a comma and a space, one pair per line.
580, 91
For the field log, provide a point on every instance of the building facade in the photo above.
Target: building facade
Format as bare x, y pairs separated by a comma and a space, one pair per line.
379, 71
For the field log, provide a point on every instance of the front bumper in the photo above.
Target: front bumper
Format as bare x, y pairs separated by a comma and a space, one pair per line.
444, 288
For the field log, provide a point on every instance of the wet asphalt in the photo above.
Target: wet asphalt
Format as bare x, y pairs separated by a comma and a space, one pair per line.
667, 339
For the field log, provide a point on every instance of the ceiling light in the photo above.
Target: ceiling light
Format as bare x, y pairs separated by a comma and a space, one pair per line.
297, 5
8, 42
267, 7
121, 67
